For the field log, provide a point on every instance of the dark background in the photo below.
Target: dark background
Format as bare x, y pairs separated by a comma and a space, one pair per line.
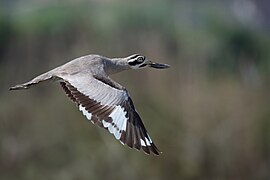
209, 113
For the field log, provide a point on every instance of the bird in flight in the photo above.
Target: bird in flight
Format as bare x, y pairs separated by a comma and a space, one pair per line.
103, 101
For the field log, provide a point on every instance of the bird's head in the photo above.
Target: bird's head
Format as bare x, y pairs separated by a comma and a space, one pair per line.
137, 61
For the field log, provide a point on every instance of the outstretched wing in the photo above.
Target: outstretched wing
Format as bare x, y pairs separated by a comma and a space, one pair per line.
109, 107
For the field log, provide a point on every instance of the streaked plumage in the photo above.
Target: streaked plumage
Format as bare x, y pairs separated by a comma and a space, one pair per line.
103, 101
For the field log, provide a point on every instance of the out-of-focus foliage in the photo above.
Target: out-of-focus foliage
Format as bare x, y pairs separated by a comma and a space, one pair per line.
209, 113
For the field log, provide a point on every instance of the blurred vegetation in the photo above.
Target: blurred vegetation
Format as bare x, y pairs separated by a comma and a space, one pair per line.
209, 113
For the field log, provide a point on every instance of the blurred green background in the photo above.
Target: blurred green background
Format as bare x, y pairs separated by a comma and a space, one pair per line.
209, 113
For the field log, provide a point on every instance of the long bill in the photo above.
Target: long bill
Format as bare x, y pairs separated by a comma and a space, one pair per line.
158, 65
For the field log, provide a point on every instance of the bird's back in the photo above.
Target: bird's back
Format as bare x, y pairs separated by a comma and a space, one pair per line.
91, 64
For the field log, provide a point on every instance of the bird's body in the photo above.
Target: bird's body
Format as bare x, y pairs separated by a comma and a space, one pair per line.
103, 101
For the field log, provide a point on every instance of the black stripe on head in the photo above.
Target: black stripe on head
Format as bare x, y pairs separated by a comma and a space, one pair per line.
134, 56
143, 65
134, 63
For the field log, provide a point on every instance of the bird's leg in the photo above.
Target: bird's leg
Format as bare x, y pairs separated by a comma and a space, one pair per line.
36, 80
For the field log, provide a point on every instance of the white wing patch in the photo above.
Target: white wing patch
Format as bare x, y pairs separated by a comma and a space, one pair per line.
109, 107
142, 142
85, 112
119, 118
119, 122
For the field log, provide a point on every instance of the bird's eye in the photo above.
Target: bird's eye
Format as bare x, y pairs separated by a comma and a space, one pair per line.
134, 61
140, 59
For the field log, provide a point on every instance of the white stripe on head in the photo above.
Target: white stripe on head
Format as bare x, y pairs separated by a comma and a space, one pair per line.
85, 112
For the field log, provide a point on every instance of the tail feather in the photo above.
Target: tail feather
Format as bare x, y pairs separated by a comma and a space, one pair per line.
38, 79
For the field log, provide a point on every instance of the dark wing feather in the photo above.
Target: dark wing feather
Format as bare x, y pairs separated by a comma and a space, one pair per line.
113, 111
136, 131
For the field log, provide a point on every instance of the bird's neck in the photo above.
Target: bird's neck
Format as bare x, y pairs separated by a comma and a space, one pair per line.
116, 65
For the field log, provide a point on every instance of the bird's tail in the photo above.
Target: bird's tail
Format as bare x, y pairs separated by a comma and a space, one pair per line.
36, 80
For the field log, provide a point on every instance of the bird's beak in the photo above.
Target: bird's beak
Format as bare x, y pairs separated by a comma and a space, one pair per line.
158, 65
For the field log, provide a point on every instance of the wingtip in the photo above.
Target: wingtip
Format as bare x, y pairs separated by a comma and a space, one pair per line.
158, 153
153, 153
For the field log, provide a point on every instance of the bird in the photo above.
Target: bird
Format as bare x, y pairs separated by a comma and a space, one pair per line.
86, 81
